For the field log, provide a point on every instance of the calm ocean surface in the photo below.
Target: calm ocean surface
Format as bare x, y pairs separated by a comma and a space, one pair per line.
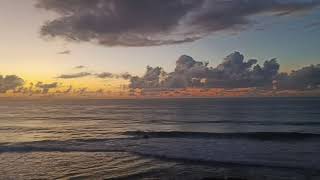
251, 138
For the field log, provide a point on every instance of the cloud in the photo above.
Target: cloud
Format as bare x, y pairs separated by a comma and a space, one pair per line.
46, 86
80, 67
151, 79
305, 78
125, 76
10, 82
75, 75
157, 22
187, 73
104, 75
101, 75
65, 52
233, 72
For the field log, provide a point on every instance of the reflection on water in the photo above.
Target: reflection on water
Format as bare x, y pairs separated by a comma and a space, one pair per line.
46, 120
84, 132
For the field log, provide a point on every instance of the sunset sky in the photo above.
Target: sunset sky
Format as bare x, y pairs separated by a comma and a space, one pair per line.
71, 43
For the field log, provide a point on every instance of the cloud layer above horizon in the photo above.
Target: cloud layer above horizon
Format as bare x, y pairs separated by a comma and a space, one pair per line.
157, 22
233, 72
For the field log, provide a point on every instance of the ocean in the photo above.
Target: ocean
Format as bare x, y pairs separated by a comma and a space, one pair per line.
195, 138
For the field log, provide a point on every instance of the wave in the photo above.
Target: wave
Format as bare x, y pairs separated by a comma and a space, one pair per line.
246, 135
211, 162
31, 148
242, 122
68, 148
74, 145
210, 148
132, 137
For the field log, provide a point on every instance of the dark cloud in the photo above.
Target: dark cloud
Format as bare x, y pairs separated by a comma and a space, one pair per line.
10, 82
301, 79
187, 73
151, 79
75, 75
233, 72
125, 76
104, 75
157, 22
45, 87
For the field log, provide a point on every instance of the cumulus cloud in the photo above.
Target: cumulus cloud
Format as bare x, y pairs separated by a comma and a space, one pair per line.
305, 78
187, 73
10, 82
157, 22
233, 72
45, 87
151, 79
75, 75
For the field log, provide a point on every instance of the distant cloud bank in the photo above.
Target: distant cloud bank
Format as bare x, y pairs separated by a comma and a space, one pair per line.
157, 22
235, 75
233, 72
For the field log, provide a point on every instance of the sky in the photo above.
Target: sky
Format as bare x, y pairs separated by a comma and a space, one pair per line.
42, 40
